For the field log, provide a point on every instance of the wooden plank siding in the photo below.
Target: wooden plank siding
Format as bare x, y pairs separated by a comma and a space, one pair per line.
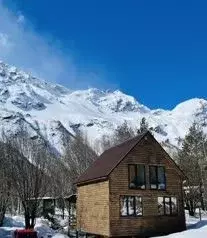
98, 203
147, 152
93, 208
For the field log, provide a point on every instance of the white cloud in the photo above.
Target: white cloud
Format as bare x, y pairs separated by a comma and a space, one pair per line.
21, 46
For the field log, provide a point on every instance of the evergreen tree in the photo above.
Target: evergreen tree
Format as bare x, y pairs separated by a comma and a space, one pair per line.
192, 159
123, 133
144, 126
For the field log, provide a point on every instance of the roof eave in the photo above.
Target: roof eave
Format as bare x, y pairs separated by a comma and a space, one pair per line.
96, 180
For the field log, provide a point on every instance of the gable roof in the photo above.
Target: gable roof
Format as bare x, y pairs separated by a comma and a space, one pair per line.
108, 160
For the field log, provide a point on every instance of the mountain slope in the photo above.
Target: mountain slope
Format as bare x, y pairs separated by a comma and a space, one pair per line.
54, 113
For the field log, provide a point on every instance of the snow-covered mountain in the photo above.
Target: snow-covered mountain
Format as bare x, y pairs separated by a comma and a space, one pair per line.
53, 112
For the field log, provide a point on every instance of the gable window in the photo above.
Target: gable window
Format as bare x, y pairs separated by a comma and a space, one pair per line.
137, 176
157, 177
130, 206
167, 206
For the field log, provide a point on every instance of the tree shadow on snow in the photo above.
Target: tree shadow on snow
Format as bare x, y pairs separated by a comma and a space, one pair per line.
10, 222
197, 225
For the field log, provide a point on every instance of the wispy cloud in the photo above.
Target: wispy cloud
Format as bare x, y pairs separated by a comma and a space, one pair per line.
22, 46
20, 18
4, 42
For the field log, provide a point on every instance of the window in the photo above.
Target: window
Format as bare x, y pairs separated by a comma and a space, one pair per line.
174, 207
157, 177
137, 176
161, 206
167, 206
138, 206
161, 178
131, 206
153, 177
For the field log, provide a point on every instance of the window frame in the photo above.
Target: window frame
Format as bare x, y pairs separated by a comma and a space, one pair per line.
170, 199
136, 169
134, 206
157, 166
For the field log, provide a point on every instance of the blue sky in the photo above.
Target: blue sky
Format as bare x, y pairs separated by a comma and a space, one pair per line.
153, 50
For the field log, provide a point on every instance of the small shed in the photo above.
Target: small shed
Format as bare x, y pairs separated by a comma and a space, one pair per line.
57, 206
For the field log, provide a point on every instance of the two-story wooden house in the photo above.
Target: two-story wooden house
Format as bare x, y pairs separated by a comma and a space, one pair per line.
133, 189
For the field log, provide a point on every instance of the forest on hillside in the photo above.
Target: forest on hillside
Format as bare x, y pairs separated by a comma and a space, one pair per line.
29, 170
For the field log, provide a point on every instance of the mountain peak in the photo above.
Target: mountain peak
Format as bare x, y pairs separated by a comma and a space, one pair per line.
42, 107
190, 106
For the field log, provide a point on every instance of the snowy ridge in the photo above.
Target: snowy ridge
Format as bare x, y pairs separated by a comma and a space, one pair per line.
54, 113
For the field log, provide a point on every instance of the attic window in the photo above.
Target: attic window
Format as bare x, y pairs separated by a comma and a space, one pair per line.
157, 177
137, 176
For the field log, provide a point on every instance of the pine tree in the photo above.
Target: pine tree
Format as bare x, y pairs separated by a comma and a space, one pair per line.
144, 126
123, 133
192, 159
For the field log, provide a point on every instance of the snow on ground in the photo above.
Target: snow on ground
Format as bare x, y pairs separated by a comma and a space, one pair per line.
17, 222
195, 228
60, 236
10, 225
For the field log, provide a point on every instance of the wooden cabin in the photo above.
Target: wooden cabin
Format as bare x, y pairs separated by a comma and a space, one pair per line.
133, 189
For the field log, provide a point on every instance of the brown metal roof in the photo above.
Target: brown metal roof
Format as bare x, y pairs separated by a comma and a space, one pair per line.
107, 161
